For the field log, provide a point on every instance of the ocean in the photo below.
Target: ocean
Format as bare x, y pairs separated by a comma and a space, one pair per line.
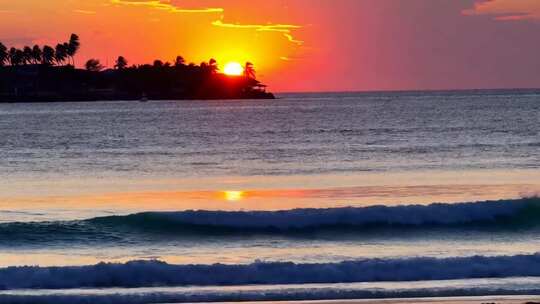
307, 197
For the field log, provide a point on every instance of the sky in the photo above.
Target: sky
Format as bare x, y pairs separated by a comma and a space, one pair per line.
304, 45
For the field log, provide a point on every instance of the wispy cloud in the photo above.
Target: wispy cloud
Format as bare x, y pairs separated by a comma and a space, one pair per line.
167, 6
506, 10
84, 12
287, 58
286, 29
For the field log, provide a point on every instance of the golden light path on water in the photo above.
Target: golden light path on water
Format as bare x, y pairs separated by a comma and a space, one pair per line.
245, 254
84, 197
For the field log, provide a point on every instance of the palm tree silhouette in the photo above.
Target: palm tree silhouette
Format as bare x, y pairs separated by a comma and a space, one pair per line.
19, 57
66, 49
12, 56
93, 65
48, 55
36, 54
249, 71
73, 46
60, 53
179, 61
121, 63
3, 54
27, 55
213, 66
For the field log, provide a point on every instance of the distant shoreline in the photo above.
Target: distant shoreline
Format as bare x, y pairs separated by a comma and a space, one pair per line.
24, 100
49, 74
278, 95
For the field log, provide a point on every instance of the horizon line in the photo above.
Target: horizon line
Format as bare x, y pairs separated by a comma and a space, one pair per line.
352, 91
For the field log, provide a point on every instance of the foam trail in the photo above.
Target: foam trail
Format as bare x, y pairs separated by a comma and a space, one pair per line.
263, 296
155, 273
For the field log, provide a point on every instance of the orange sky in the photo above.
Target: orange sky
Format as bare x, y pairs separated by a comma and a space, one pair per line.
304, 45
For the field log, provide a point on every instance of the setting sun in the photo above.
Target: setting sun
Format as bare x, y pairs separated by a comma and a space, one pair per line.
233, 69
234, 196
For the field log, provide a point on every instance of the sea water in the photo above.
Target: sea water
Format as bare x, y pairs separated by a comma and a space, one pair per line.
310, 196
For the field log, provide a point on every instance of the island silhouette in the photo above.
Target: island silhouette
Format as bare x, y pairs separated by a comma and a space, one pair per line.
47, 74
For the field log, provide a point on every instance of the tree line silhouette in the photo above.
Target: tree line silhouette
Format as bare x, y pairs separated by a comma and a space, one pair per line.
49, 74
61, 54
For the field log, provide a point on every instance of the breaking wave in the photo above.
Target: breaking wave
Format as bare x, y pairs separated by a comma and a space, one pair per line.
156, 273
522, 211
504, 214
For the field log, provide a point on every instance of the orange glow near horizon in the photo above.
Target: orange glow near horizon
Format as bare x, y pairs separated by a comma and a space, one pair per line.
301, 45
145, 30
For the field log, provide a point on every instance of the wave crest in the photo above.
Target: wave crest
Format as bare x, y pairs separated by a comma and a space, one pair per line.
524, 211
504, 214
155, 273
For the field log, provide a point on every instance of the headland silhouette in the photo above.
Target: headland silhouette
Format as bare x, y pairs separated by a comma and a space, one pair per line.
47, 74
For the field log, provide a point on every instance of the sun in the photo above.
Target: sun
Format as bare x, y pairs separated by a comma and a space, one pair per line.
234, 196
233, 69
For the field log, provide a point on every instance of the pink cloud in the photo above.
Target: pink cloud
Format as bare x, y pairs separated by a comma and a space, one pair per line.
506, 10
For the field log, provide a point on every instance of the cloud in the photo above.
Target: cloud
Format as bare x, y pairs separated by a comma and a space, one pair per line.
18, 41
506, 10
84, 12
289, 58
286, 29
166, 6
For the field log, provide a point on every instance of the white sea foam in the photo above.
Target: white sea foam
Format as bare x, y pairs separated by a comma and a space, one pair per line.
469, 287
